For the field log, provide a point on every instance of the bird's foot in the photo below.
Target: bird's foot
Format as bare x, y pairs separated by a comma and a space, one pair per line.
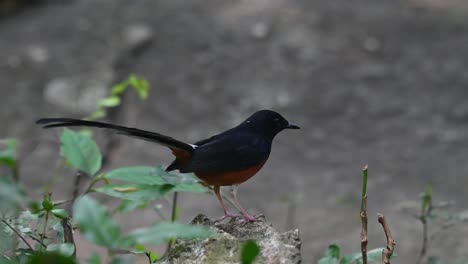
225, 216
250, 218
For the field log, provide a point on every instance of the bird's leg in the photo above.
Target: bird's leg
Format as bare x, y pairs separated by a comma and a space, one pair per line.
246, 216
216, 190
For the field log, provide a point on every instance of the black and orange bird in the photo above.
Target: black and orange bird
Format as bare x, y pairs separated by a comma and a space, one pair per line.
227, 159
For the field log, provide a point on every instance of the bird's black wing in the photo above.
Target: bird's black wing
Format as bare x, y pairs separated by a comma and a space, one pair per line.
228, 152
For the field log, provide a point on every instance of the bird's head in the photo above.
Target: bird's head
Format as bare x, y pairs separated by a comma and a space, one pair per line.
269, 123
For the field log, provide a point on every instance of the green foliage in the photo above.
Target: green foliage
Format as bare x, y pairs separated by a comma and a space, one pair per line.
8, 156
65, 249
250, 251
7, 238
8, 152
11, 197
46, 225
332, 256
140, 85
426, 198
95, 223
164, 232
148, 183
50, 257
136, 192
81, 152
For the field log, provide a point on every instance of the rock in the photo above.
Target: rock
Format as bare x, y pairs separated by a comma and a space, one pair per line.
226, 246
260, 30
81, 92
137, 36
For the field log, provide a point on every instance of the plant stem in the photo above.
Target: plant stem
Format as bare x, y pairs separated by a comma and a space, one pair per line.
364, 185
44, 230
173, 218
363, 214
18, 234
388, 250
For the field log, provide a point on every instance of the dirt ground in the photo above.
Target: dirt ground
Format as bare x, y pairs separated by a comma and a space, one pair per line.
369, 81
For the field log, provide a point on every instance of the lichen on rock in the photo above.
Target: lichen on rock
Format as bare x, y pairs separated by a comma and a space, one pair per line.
226, 245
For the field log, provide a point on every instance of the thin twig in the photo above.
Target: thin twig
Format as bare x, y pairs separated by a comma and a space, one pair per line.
363, 215
18, 234
425, 213
44, 230
37, 240
173, 219
388, 251
364, 239
148, 255
68, 234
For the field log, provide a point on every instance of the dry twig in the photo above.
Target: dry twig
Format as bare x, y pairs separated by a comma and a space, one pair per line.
364, 240
68, 234
388, 251
18, 234
363, 215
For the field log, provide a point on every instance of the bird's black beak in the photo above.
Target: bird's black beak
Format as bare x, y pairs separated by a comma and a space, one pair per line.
291, 126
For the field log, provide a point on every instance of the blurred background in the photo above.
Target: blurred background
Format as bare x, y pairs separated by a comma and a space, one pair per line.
369, 81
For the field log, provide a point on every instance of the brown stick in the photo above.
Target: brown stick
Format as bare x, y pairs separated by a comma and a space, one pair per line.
68, 234
388, 251
364, 240
363, 215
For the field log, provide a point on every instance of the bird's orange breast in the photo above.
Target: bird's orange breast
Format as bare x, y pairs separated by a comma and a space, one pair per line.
229, 178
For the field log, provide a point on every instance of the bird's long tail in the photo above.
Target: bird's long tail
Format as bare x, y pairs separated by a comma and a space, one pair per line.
169, 142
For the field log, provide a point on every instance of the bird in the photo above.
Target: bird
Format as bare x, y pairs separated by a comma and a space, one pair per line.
226, 159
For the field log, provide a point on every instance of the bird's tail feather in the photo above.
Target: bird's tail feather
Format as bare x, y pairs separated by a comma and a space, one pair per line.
128, 131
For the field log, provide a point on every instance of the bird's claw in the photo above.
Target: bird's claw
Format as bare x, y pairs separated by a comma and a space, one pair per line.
225, 216
249, 218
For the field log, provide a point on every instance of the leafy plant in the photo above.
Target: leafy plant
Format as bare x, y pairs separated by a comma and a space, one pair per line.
41, 231
332, 256
250, 251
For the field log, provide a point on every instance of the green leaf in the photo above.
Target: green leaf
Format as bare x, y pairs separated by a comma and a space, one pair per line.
50, 257
372, 255
60, 213
140, 174
95, 258
123, 259
129, 205
8, 152
95, 223
47, 204
136, 192
119, 88
81, 152
165, 231
426, 197
140, 85
99, 113
7, 237
250, 251
433, 260
194, 187
111, 101
66, 249
332, 255
11, 197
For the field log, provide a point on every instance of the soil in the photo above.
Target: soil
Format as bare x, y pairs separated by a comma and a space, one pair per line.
373, 82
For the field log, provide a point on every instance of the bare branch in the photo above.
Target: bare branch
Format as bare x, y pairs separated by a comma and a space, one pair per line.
18, 234
68, 234
364, 239
388, 251
363, 215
